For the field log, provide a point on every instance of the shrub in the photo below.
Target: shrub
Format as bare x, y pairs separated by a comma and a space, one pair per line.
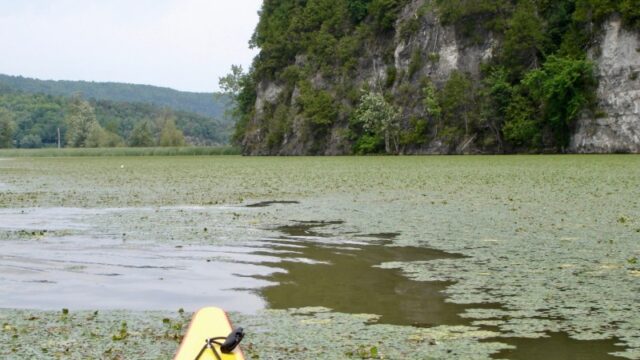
31, 141
415, 64
318, 106
375, 117
385, 13
392, 72
563, 87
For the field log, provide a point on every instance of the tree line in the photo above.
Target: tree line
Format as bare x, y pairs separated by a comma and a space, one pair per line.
38, 120
205, 104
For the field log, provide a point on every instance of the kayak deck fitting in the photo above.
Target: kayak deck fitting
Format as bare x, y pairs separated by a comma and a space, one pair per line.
205, 338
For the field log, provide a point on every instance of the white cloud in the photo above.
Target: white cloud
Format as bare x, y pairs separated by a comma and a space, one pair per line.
184, 44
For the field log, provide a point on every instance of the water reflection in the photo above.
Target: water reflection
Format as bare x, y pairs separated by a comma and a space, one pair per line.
345, 277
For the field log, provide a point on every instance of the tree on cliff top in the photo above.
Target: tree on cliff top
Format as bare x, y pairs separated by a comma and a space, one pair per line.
240, 87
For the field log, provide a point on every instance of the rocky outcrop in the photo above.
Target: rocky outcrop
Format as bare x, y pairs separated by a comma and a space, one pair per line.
387, 63
441, 52
615, 125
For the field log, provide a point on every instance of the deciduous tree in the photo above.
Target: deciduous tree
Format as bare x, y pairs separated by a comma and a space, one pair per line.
6, 128
81, 122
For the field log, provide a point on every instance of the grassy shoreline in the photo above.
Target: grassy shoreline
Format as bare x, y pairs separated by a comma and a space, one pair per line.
121, 151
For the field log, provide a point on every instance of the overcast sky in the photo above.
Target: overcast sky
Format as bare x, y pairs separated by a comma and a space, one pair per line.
183, 44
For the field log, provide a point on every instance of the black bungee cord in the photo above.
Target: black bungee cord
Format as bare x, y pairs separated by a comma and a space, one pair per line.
226, 347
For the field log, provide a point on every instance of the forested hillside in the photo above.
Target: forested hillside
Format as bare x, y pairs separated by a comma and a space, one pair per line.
435, 76
35, 120
205, 104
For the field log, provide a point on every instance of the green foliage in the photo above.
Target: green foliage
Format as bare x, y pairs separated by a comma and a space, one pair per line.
560, 29
6, 128
392, 73
231, 84
409, 27
291, 75
594, 10
385, 13
376, 118
551, 97
416, 63
473, 18
369, 144
81, 123
31, 141
630, 10
240, 88
499, 89
318, 106
122, 333
523, 40
169, 134
101, 138
599, 10
347, 53
562, 87
431, 104
278, 125
42, 116
278, 35
358, 9
364, 352
203, 104
459, 105
416, 134
141, 136
521, 126
495, 95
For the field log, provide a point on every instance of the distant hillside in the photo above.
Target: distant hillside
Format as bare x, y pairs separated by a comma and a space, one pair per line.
32, 120
206, 104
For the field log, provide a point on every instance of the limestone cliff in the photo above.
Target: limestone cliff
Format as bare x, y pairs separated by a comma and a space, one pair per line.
615, 127
424, 49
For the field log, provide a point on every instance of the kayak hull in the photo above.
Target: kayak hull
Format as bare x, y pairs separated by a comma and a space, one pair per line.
209, 322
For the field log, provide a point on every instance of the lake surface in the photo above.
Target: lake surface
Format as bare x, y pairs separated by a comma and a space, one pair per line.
522, 247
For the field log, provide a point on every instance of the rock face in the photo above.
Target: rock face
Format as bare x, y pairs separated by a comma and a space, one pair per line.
389, 63
441, 52
616, 125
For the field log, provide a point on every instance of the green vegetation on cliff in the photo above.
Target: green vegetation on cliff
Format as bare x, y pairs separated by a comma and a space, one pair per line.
323, 55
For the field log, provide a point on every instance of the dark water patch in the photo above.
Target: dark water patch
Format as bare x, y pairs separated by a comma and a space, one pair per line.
381, 236
272, 202
558, 346
306, 228
346, 278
